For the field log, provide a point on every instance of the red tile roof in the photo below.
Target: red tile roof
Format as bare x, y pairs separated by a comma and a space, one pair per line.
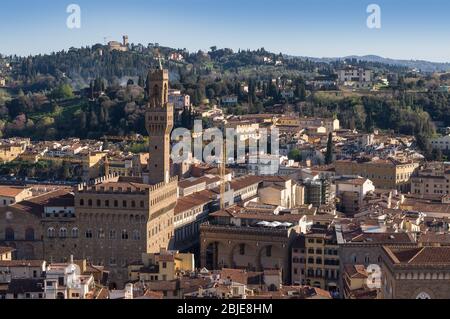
186, 203
419, 255
10, 191
4, 250
21, 263
356, 271
35, 205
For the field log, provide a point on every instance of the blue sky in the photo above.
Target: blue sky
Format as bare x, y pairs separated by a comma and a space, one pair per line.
411, 29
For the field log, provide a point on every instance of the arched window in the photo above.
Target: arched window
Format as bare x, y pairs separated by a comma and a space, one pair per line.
81, 202
29, 234
136, 235
63, 232
9, 233
133, 203
124, 234
51, 232
89, 233
112, 234
101, 234
75, 232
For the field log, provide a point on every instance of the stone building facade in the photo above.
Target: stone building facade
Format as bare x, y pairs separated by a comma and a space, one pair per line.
359, 248
111, 221
238, 242
415, 272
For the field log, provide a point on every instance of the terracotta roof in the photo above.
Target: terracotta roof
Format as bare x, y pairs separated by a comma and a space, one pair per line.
162, 285
431, 238
4, 250
426, 206
419, 255
185, 203
153, 294
236, 275
245, 181
356, 271
101, 293
21, 263
383, 238
35, 205
10, 191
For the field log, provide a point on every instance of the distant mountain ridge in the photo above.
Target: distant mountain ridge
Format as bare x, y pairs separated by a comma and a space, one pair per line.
422, 65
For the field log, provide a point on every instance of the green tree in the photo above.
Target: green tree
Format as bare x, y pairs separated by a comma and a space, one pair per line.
329, 152
295, 155
64, 91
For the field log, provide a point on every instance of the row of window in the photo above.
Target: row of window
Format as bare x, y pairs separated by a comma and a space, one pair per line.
330, 262
100, 234
114, 203
188, 214
354, 259
10, 234
113, 217
319, 251
329, 274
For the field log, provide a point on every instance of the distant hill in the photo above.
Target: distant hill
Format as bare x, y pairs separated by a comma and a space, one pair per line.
424, 66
